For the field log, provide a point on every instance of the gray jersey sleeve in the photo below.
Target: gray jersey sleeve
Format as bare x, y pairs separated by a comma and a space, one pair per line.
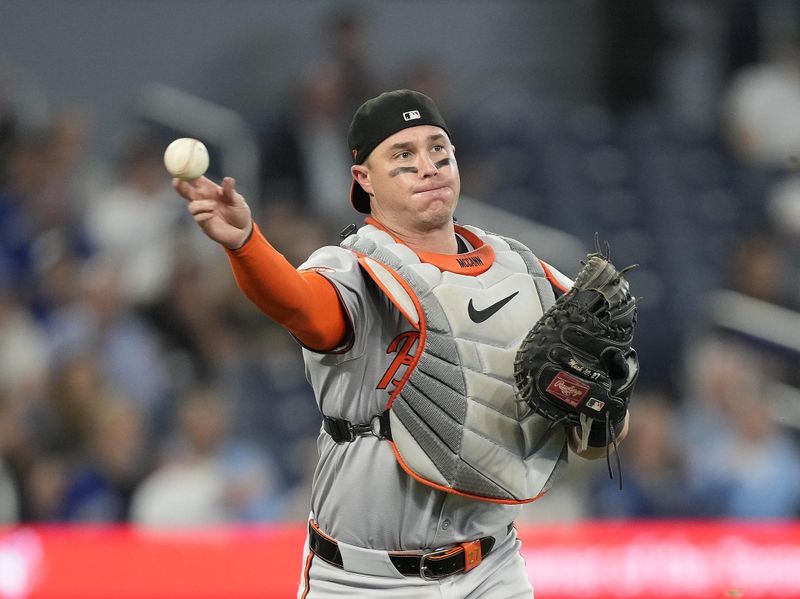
341, 268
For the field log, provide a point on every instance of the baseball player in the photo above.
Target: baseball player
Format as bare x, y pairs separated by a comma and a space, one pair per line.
409, 330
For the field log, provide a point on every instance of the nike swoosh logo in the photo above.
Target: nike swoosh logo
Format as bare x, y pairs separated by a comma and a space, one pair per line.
478, 316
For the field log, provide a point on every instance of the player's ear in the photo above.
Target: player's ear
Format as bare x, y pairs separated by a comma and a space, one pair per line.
361, 175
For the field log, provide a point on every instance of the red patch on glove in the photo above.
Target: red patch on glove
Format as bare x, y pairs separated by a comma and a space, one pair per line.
568, 389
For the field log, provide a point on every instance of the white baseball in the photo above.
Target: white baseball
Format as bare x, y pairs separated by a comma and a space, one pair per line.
186, 158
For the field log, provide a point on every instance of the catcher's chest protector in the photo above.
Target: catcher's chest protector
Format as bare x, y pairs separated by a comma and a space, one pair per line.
455, 423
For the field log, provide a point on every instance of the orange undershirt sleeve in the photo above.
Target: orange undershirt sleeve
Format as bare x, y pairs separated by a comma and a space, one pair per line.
305, 303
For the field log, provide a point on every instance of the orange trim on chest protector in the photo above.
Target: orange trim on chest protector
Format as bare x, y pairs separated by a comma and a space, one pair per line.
419, 478
552, 278
473, 263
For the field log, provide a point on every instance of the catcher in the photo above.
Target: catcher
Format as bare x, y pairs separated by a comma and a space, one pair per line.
442, 415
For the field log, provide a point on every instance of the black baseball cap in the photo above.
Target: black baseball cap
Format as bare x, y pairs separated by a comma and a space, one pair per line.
380, 117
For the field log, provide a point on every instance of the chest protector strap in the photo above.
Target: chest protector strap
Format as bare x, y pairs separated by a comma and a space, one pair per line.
455, 423
344, 431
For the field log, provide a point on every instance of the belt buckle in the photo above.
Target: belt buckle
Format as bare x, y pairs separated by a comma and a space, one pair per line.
366, 429
423, 568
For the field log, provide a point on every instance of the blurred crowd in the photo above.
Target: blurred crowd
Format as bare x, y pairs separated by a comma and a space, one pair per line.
138, 385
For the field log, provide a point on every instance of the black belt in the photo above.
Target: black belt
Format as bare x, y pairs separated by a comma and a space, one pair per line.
430, 566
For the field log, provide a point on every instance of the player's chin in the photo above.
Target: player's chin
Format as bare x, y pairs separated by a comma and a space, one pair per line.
437, 215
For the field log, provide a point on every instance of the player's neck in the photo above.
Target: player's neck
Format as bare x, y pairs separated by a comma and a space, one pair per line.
435, 242
440, 240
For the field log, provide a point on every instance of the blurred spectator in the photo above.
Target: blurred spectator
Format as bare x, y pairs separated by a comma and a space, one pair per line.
344, 30
18, 229
758, 269
9, 503
207, 476
40, 210
16, 244
761, 110
783, 205
426, 74
64, 176
765, 477
23, 349
762, 267
653, 469
58, 274
10, 492
273, 404
304, 160
304, 457
45, 484
297, 233
134, 223
304, 157
20, 452
740, 462
198, 340
783, 215
101, 483
100, 323
63, 421
9, 127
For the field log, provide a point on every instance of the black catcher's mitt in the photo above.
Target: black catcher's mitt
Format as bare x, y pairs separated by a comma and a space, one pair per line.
576, 366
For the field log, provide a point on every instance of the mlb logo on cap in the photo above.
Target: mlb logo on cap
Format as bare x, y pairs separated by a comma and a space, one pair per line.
411, 115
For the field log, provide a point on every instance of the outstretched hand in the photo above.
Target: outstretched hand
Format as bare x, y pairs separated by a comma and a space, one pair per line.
220, 210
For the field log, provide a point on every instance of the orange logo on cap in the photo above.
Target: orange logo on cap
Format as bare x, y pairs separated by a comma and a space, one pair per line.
355, 153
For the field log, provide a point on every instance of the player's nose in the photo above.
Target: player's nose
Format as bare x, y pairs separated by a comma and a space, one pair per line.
427, 167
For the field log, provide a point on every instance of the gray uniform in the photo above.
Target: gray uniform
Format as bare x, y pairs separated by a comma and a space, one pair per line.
361, 496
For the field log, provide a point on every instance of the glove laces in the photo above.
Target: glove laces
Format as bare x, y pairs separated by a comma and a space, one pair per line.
610, 432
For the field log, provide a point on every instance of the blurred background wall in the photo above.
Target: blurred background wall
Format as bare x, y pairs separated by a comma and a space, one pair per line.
248, 53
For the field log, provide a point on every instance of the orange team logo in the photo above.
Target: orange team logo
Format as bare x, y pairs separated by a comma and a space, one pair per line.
402, 345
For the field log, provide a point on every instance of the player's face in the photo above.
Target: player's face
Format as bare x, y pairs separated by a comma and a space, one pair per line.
414, 179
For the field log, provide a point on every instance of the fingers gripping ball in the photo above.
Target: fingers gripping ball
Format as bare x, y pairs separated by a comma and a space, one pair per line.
576, 366
186, 158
